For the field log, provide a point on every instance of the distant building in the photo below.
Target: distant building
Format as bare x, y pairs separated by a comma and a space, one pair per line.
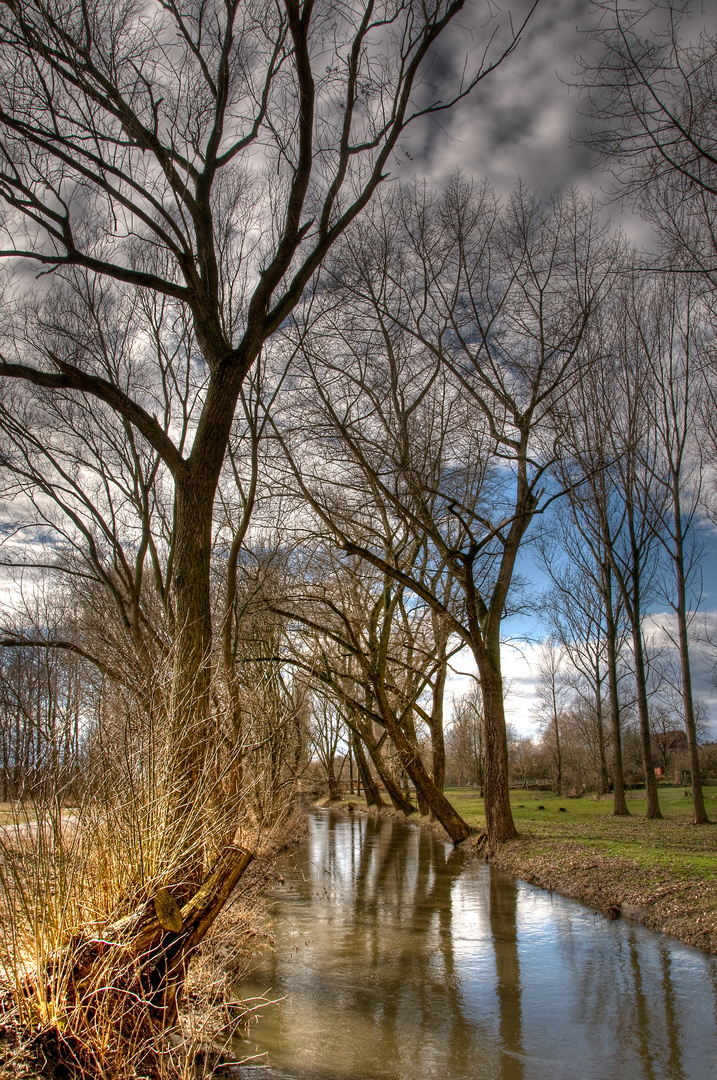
665, 745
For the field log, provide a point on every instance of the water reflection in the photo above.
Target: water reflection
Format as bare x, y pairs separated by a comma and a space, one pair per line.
400, 957
504, 931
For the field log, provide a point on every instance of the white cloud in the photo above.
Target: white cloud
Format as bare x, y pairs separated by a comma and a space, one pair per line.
519, 661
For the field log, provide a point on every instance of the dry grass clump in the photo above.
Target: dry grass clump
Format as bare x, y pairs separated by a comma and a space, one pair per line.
102, 906
85, 970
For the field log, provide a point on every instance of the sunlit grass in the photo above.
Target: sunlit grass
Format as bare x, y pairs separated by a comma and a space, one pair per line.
673, 841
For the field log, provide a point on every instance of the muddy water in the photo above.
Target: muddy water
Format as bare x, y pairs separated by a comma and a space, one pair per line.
401, 958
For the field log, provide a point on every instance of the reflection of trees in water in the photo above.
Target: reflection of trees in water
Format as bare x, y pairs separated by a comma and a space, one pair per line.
672, 1027
618, 991
641, 1014
602, 984
504, 931
385, 945
405, 889
402, 916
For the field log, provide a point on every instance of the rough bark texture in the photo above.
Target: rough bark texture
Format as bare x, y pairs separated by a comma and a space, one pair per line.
499, 817
370, 787
619, 803
436, 719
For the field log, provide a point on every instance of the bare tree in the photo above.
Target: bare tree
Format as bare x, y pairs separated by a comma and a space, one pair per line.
380, 656
585, 608
667, 320
206, 155
653, 99
552, 697
577, 615
197, 162
611, 462
327, 732
464, 326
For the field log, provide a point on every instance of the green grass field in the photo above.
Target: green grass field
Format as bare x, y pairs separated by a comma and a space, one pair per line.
588, 824
672, 842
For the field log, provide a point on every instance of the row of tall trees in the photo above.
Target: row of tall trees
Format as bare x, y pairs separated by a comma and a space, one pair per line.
284, 431
461, 368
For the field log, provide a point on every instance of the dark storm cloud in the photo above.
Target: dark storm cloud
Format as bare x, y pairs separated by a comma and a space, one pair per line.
524, 118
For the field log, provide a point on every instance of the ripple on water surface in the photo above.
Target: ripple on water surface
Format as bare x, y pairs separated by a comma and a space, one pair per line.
401, 958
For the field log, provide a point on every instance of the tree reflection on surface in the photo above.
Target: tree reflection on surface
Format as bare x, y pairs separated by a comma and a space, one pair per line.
399, 956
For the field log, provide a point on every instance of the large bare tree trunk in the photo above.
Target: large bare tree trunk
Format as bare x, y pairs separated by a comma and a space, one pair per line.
370, 787
698, 802
499, 816
410, 759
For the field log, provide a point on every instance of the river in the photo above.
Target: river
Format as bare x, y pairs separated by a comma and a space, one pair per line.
399, 957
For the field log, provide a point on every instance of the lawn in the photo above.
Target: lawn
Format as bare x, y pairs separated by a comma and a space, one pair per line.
590, 821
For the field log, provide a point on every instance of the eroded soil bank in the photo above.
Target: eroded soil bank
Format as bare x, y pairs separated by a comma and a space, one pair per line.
682, 904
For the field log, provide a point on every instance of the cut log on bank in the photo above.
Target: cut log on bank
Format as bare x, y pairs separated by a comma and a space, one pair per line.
132, 972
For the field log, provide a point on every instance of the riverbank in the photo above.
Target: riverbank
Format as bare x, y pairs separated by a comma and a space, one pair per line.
81, 1041
661, 873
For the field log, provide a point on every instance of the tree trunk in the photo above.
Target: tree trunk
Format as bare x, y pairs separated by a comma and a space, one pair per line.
393, 790
370, 787
653, 803
619, 803
144, 956
191, 676
351, 765
334, 786
409, 728
604, 778
435, 800
498, 814
398, 799
195, 491
698, 802
438, 745
558, 753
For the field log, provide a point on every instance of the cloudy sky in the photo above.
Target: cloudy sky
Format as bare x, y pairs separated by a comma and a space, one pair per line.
521, 120
524, 120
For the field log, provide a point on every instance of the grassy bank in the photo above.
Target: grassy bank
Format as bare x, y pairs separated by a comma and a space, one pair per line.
661, 873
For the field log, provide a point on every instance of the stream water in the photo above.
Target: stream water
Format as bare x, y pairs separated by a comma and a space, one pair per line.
401, 958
